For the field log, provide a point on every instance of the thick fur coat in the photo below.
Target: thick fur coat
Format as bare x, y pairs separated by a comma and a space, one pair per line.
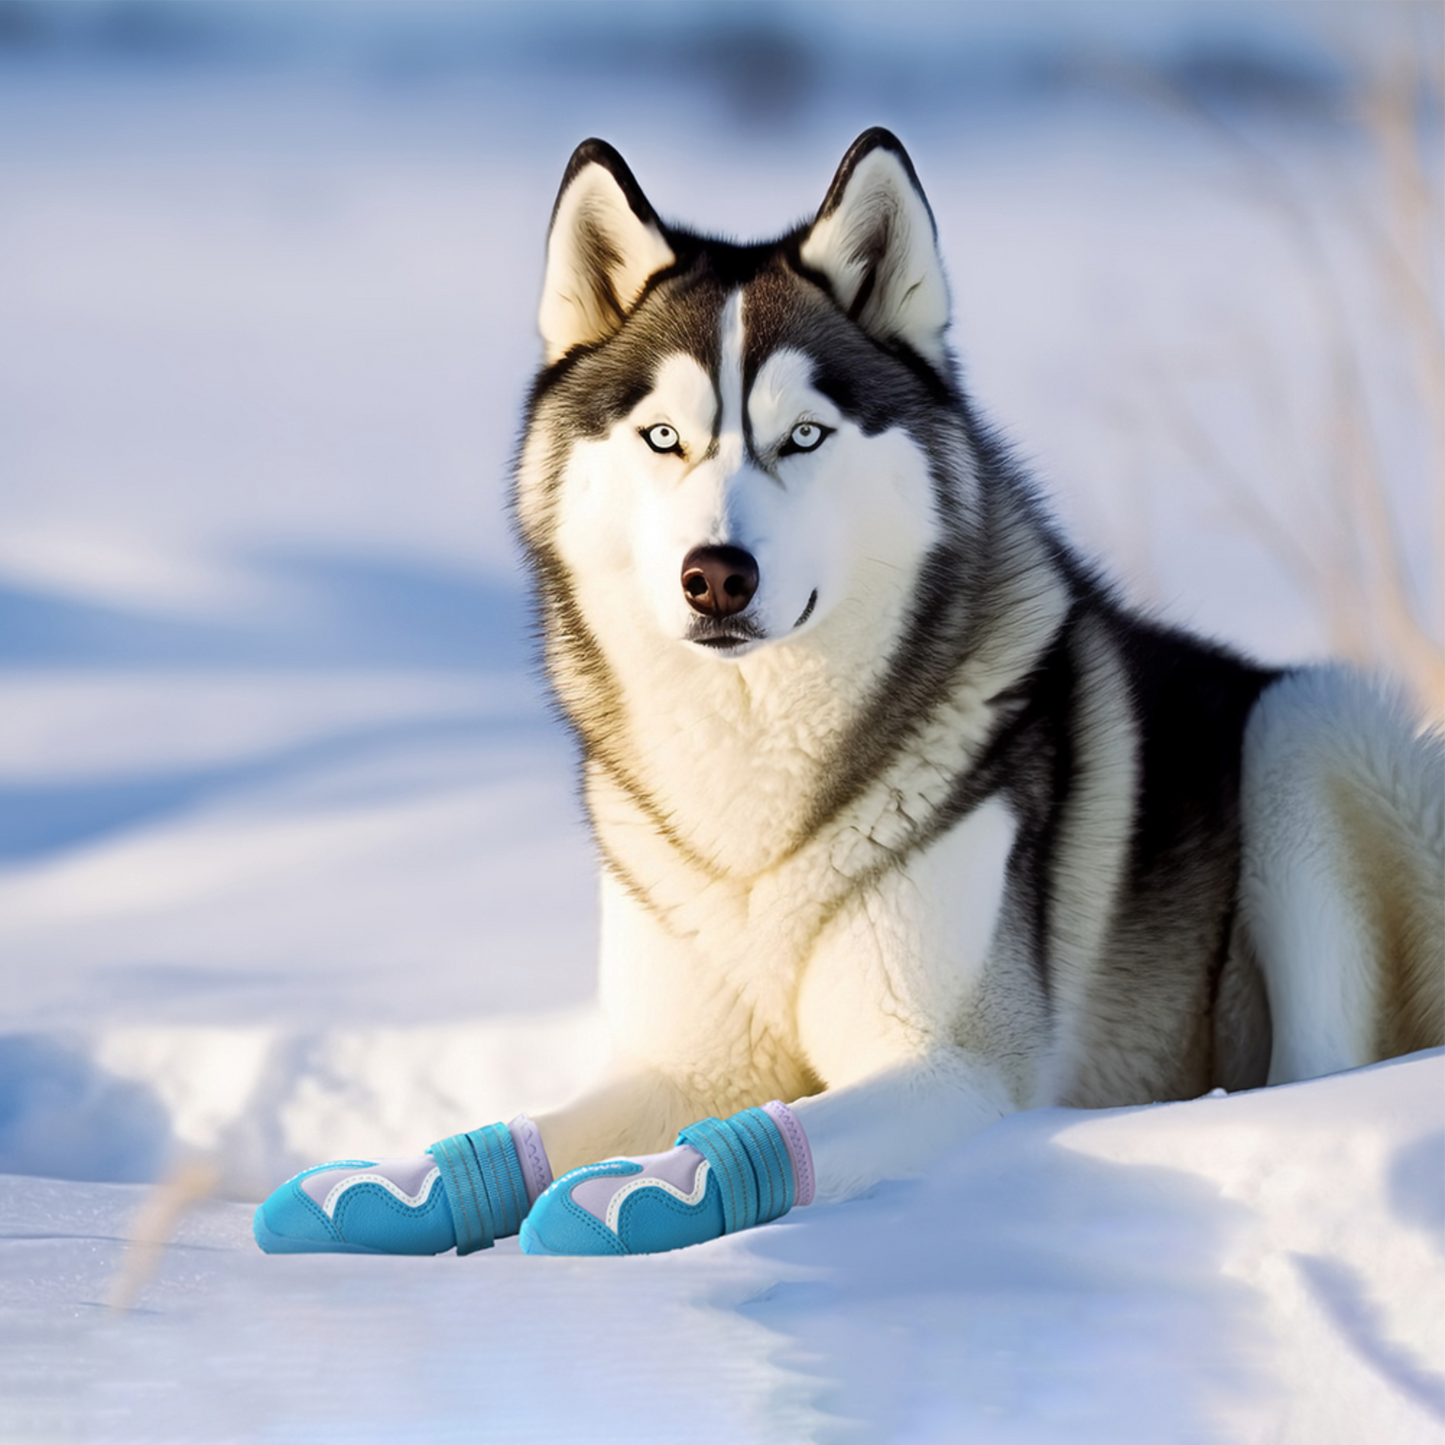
901, 817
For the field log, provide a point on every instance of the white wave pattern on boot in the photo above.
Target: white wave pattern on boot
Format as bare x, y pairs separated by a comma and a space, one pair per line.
398, 1177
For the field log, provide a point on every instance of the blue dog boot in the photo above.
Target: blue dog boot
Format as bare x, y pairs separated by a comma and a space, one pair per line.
723, 1175
359, 1206
464, 1193
641, 1205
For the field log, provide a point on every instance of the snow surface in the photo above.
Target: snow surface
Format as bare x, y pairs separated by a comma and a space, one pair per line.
1265, 1268
290, 862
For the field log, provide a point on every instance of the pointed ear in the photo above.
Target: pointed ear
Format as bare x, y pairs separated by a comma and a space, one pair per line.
604, 243
874, 243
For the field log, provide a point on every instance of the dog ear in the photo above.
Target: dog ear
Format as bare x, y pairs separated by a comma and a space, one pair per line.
604, 243
874, 243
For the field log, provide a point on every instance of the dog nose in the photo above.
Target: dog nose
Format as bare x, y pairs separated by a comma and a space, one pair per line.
718, 581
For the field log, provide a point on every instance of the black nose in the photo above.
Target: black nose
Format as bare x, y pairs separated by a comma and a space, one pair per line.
718, 581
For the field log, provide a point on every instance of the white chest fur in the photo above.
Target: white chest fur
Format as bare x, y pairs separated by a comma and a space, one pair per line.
846, 941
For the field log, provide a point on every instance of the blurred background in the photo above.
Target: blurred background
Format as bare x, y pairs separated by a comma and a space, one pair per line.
290, 861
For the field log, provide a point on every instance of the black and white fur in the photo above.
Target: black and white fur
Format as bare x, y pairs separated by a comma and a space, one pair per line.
931, 829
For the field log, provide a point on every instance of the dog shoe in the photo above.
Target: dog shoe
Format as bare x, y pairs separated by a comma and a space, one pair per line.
464, 1193
723, 1175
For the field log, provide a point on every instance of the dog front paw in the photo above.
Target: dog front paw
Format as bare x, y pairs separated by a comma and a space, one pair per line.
722, 1175
464, 1193
359, 1206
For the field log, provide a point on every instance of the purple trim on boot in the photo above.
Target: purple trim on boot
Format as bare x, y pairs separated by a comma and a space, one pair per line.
798, 1151
536, 1167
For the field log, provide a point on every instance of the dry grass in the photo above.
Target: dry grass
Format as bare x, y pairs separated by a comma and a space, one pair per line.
155, 1225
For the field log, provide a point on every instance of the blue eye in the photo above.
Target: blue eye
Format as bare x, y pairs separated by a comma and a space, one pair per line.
807, 436
662, 438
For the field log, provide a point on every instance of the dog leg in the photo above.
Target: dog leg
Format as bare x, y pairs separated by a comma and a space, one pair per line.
472, 1189
464, 1193
631, 1114
723, 1175
891, 1125
1344, 847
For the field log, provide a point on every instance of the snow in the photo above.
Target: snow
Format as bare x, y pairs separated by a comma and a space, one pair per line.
1263, 1268
291, 865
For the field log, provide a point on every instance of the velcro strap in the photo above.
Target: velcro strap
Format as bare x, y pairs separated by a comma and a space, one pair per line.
484, 1185
750, 1159
772, 1164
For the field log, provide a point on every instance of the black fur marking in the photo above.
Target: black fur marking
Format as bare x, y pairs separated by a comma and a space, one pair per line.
1192, 701
1035, 771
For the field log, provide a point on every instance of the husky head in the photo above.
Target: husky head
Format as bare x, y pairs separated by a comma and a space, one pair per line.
747, 456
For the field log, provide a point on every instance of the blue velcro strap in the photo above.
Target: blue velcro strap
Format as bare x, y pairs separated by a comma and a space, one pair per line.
751, 1161
772, 1164
483, 1180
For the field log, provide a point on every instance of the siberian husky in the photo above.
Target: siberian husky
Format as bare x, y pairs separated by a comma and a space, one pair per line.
902, 818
